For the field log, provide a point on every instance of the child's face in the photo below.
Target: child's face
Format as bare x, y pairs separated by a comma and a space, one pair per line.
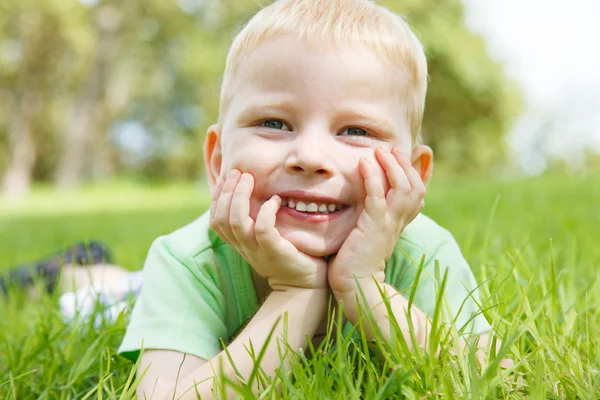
299, 120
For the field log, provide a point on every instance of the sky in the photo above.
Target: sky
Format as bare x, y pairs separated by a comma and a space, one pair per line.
552, 49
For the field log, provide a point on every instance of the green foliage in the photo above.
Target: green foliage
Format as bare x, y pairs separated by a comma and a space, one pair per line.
43, 356
470, 102
534, 252
160, 63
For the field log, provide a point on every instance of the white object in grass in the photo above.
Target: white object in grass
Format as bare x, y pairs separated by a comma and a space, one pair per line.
100, 302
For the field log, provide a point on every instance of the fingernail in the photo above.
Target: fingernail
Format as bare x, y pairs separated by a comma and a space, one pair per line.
232, 174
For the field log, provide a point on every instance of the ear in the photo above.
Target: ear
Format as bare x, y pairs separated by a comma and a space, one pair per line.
212, 154
422, 161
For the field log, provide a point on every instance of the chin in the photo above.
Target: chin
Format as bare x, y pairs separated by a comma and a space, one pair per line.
313, 246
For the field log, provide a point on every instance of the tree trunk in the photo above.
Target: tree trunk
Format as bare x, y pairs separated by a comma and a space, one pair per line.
18, 177
101, 163
84, 125
73, 162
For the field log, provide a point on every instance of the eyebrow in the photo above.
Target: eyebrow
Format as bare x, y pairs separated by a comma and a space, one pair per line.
252, 110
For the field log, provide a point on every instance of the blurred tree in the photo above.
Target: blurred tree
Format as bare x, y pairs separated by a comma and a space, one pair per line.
31, 44
471, 103
89, 88
185, 44
86, 124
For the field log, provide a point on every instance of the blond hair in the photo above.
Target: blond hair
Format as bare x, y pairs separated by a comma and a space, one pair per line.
339, 23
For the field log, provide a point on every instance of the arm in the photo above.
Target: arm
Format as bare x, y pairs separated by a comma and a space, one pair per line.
400, 308
361, 260
300, 305
299, 284
374, 302
394, 195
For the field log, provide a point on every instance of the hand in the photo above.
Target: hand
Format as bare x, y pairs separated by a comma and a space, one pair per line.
260, 243
372, 241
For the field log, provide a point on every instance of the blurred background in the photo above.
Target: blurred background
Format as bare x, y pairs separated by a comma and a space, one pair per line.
103, 109
96, 91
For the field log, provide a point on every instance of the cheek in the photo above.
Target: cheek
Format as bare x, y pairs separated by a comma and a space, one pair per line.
250, 164
256, 160
246, 155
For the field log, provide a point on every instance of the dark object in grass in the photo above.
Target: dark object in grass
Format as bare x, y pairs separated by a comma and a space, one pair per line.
48, 269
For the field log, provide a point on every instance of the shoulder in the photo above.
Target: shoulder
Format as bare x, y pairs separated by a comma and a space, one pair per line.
187, 252
424, 236
189, 241
424, 243
182, 296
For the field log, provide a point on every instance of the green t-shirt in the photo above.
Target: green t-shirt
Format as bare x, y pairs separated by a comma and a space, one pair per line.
197, 290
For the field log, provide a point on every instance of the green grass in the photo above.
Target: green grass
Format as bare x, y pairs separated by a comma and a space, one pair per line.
533, 243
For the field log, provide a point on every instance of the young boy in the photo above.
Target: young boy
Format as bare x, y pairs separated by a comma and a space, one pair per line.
318, 176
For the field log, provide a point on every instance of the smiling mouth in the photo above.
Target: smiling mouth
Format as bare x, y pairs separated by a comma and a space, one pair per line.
312, 207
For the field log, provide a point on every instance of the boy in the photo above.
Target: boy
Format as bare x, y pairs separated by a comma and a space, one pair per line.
316, 172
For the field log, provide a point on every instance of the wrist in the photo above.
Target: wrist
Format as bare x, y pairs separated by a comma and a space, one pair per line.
360, 296
314, 299
284, 289
299, 284
343, 285
350, 289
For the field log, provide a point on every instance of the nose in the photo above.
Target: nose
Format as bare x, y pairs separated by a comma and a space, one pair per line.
309, 156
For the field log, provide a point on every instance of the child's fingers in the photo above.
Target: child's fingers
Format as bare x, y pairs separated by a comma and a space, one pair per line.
264, 229
223, 206
216, 192
375, 203
395, 174
415, 181
239, 215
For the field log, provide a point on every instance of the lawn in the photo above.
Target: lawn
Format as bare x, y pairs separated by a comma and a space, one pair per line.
533, 243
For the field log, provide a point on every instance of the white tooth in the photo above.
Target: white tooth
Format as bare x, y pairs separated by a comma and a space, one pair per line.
339, 206
283, 203
323, 208
301, 206
312, 207
331, 207
291, 204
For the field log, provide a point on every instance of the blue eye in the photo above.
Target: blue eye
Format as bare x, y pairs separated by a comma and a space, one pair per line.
356, 132
273, 124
